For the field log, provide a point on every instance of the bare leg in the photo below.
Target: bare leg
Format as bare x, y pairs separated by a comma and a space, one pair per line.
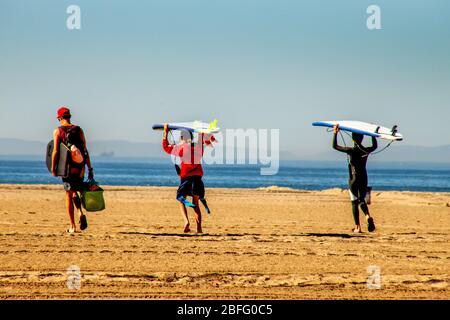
198, 214
185, 217
70, 210
81, 217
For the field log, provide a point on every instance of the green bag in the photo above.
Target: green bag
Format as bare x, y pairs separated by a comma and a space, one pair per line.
93, 200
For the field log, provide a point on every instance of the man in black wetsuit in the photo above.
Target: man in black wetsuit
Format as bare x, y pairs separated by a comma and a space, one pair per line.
358, 175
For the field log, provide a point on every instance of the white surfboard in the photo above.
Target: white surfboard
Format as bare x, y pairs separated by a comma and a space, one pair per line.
195, 126
368, 129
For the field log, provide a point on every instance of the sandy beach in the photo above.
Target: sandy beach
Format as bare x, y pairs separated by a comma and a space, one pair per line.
270, 243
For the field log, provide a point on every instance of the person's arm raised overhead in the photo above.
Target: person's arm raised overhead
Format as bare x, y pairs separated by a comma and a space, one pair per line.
170, 148
336, 146
374, 145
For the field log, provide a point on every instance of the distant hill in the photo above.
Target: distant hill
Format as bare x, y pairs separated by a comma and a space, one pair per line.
119, 148
18, 147
107, 149
96, 148
396, 153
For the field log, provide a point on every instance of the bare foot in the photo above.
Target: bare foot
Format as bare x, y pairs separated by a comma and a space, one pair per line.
186, 228
199, 230
357, 230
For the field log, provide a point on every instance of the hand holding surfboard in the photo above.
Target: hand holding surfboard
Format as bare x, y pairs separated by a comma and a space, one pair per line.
336, 128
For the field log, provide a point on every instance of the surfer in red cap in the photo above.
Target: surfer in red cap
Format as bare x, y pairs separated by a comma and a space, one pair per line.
73, 137
358, 179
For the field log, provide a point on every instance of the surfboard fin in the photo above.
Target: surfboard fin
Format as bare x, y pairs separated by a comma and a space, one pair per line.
213, 124
394, 130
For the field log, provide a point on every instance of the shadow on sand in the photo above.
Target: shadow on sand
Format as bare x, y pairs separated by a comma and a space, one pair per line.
193, 234
188, 235
332, 235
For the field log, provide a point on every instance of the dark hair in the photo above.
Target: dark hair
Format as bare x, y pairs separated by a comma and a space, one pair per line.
66, 116
357, 137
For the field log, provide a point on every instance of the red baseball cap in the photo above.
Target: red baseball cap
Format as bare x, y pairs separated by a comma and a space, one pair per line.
63, 111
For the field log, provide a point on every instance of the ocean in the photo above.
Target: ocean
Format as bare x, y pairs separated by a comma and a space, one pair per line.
294, 174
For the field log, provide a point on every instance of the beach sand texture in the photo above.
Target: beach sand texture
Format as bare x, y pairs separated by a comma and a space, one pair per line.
269, 243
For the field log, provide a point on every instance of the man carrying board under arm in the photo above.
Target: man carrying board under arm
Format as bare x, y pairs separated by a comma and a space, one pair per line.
72, 135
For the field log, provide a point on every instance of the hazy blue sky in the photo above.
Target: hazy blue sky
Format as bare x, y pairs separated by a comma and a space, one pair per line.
250, 64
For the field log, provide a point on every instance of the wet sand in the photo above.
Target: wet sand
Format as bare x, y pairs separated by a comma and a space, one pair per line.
270, 243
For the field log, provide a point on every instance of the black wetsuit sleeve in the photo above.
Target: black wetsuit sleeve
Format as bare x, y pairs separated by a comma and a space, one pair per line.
374, 145
338, 147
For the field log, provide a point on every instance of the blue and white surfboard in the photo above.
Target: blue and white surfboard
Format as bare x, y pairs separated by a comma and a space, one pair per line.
364, 128
195, 126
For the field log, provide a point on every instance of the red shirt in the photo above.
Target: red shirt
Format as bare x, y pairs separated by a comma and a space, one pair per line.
190, 155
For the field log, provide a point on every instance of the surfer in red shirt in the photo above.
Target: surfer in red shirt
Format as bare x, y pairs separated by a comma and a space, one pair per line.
190, 172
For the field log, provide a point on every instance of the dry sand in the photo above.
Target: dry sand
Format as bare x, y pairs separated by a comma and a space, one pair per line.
268, 243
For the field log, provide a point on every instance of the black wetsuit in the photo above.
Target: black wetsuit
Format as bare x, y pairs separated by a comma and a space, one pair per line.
357, 174
357, 167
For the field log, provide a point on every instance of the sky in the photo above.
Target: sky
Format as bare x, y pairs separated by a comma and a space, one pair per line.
272, 64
